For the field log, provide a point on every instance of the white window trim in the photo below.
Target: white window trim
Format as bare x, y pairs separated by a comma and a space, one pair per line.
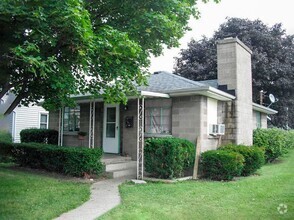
47, 123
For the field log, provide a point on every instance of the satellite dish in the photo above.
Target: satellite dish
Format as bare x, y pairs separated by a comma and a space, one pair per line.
272, 98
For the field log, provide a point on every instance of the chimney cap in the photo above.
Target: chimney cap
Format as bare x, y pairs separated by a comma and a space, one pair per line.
230, 40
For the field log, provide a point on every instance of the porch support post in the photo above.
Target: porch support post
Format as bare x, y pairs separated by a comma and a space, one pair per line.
140, 139
60, 127
92, 124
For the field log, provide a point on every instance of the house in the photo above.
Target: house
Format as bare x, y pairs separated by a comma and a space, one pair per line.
216, 111
21, 117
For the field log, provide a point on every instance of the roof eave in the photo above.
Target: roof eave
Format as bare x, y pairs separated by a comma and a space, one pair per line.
205, 91
263, 109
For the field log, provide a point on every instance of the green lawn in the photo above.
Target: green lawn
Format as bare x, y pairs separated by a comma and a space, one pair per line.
255, 197
24, 195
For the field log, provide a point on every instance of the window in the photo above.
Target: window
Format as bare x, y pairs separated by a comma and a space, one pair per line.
258, 119
43, 121
71, 119
158, 120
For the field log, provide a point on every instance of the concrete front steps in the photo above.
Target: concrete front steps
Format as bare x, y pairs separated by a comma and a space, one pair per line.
116, 167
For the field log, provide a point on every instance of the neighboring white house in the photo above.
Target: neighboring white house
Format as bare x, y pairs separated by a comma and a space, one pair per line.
21, 117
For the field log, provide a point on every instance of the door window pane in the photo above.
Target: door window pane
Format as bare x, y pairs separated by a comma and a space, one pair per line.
110, 122
110, 130
111, 114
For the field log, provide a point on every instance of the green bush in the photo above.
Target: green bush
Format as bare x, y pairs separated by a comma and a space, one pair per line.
221, 164
5, 136
273, 140
289, 139
75, 161
254, 157
168, 157
45, 136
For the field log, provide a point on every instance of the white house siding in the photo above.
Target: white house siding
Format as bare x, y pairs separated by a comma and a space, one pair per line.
20, 118
27, 117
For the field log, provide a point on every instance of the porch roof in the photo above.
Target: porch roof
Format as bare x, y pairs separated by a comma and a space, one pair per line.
263, 109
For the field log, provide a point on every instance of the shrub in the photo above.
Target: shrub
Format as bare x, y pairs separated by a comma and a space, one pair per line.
75, 161
168, 157
5, 136
289, 139
253, 156
47, 136
272, 140
221, 164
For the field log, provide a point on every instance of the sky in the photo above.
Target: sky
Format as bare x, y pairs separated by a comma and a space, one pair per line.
212, 15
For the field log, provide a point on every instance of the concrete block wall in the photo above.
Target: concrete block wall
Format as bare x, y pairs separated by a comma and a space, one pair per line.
128, 136
189, 120
234, 70
227, 116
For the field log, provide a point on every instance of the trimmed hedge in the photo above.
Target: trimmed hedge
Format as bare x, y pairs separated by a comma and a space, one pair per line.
289, 139
254, 157
168, 157
5, 136
273, 140
45, 136
221, 164
75, 161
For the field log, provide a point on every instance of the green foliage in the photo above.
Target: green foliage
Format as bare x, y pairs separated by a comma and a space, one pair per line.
168, 157
253, 156
221, 164
75, 161
273, 140
289, 139
272, 61
45, 136
5, 136
76, 46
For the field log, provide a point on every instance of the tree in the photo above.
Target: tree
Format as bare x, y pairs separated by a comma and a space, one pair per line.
272, 62
51, 49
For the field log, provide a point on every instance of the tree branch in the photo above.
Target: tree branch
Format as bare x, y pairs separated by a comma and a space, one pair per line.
5, 89
15, 103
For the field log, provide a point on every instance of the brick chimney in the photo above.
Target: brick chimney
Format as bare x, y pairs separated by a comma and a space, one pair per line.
235, 77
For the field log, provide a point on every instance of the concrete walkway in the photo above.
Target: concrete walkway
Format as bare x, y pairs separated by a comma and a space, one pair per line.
104, 196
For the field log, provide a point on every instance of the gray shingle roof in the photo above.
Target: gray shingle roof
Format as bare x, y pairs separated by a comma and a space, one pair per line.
163, 81
212, 83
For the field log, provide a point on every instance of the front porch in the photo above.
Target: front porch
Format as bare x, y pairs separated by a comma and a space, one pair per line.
117, 129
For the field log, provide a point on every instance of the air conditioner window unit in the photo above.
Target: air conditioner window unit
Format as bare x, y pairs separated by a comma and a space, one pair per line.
217, 129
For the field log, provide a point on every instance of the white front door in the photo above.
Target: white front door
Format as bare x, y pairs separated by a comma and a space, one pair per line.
111, 128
